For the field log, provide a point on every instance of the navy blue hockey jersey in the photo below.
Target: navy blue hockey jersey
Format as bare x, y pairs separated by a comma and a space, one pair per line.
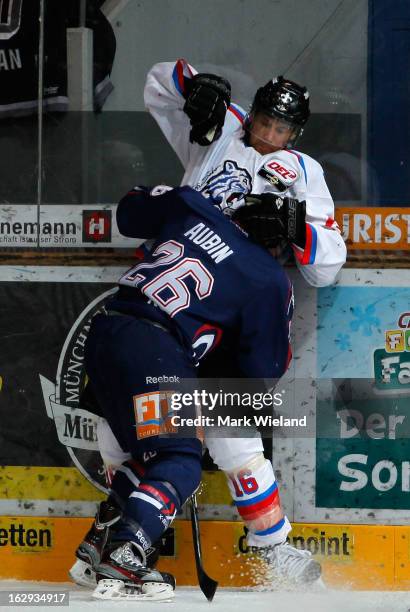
205, 279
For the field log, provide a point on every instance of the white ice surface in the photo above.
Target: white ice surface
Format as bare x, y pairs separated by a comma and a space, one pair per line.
191, 599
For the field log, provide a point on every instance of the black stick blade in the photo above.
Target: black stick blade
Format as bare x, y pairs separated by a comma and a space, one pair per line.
207, 585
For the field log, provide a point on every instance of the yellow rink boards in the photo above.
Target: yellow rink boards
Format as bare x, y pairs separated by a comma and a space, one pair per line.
42, 548
353, 556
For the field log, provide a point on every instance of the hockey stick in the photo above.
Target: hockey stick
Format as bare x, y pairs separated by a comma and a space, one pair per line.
207, 585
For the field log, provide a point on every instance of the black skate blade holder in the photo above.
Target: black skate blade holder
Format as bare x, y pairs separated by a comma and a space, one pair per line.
207, 585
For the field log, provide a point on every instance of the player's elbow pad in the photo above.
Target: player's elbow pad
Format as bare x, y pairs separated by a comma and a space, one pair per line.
130, 216
320, 277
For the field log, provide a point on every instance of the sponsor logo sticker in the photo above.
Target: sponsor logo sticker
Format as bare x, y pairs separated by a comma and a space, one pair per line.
286, 174
153, 414
278, 175
97, 225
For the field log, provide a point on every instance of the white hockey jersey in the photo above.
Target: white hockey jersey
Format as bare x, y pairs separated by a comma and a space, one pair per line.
229, 169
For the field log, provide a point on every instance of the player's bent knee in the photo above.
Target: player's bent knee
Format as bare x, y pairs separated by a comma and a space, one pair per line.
182, 472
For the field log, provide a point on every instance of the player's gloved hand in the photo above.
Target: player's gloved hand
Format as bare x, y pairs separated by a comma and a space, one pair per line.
207, 100
271, 220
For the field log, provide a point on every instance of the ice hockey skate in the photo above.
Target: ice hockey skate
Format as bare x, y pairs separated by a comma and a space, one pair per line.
289, 567
89, 552
124, 575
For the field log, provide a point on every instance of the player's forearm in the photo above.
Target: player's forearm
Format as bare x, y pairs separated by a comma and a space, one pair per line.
320, 275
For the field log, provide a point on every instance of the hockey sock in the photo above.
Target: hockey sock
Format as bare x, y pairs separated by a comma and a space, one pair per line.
159, 496
148, 512
256, 495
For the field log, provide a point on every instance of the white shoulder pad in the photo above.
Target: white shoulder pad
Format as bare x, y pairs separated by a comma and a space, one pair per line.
280, 170
305, 161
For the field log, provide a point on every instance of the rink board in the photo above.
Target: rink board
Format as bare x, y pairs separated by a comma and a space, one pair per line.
53, 465
64, 491
353, 556
66, 480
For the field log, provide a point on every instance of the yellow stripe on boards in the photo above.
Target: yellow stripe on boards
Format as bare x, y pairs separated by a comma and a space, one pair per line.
67, 483
362, 557
49, 483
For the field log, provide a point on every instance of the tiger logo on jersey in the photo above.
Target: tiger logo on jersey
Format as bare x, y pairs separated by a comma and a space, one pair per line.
227, 186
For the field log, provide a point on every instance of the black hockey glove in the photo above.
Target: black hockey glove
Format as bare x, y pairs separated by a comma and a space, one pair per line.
271, 220
207, 99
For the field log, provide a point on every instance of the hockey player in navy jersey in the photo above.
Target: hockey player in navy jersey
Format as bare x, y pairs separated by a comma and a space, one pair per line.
247, 163
204, 280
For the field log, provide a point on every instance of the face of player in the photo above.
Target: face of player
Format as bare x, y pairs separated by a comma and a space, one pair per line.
268, 134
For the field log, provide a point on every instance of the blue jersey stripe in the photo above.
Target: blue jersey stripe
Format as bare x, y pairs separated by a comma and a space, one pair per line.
238, 112
314, 244
272, 529
301, 161
255, 500
176, 80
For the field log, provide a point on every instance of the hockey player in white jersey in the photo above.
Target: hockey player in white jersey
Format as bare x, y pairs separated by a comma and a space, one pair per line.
228, 154
246, 163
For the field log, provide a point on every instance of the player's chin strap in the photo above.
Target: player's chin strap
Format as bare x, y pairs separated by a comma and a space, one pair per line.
207, 585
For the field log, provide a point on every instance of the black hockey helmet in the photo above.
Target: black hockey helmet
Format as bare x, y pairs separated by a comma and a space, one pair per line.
284, 99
